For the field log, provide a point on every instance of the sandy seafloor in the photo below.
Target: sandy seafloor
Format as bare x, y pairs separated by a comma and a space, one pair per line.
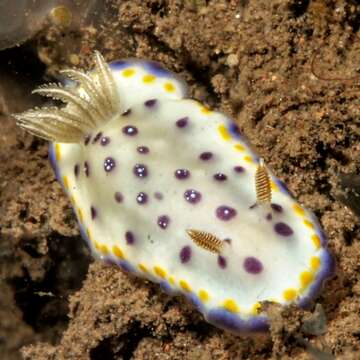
288, 72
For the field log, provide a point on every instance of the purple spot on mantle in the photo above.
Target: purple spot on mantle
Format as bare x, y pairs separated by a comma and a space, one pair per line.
158, 195
269, 216
252, 265
93, 212
239, 169
129, 130
163, 221
220, 177
140, 170
205, 156
181, 123
182, 174
130, 238
109, 164
86, 169
221, 262
192, 196
141, 198
142, 149
150, 103
87, 139
283, 229
185, 254
105, 140
276, 207
97, 137
76, 170
118, 197
225, 213
126, 113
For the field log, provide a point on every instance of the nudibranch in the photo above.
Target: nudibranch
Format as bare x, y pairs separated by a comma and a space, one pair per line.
170, 190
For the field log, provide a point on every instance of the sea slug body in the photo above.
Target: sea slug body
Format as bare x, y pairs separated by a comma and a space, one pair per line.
170, 191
